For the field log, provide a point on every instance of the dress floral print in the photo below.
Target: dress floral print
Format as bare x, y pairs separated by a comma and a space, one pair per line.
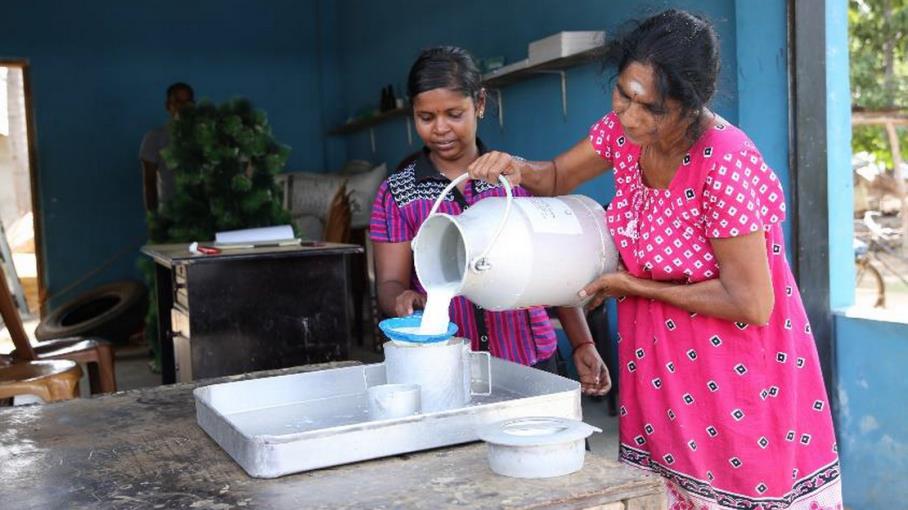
732, 415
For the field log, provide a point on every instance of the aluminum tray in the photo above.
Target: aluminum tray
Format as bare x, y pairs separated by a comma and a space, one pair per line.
275, 426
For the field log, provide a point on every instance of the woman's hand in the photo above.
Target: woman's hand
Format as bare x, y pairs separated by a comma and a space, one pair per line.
617, 284
594, 376
407, 302
492, 164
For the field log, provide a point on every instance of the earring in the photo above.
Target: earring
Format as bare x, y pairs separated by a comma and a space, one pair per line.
482, 113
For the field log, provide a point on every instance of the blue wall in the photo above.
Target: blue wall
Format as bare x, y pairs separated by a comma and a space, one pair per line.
838, 159
752, 90
872, 412
871, 387
762, 77
98, 75
534, 126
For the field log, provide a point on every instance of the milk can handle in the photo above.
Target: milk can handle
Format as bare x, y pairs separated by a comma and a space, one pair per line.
480, 263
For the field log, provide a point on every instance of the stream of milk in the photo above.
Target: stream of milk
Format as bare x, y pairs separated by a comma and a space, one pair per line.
435, 317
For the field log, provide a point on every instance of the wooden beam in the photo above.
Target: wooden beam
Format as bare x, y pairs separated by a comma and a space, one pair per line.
896, 117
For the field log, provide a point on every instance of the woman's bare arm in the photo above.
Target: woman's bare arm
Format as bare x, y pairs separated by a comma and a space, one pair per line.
562, 175
742, 293
393, 270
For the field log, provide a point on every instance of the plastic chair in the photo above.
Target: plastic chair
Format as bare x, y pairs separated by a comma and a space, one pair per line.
50, 380
96, 353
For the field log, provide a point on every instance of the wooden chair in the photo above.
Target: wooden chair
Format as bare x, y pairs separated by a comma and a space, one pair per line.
340, 212
96, 353
50, 380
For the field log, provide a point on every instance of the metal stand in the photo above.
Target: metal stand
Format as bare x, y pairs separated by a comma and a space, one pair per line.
9, 269
561, 74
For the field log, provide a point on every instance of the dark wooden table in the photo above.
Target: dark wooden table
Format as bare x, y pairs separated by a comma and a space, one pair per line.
246, 310
143, 449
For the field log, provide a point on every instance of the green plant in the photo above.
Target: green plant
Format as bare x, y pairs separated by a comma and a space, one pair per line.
878, 51
224, 160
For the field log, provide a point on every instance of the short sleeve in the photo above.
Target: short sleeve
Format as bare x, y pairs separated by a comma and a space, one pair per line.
604, 134
387, 223
741, 195
151, 147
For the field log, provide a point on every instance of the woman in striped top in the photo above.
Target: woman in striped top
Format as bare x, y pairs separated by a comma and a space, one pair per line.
444, 87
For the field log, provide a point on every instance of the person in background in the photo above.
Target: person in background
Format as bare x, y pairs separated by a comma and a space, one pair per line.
721, 388
158, 180
445, 90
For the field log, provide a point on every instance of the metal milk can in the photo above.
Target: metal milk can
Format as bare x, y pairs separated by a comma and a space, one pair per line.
506, 253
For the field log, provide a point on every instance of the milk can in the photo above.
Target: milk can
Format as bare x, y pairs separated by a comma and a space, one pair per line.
443, 370
506, 253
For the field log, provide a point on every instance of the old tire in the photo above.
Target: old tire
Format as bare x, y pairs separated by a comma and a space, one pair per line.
112, 312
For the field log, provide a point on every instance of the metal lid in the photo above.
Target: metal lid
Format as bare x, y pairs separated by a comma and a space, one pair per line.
535, 431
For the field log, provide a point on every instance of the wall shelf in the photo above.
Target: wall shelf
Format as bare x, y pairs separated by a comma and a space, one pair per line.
492, 81
360, 124
556, 66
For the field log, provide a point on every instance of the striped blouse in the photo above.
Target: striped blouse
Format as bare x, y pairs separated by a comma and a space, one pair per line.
401, 205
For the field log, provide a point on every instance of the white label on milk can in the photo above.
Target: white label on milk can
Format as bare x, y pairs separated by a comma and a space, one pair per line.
550, 216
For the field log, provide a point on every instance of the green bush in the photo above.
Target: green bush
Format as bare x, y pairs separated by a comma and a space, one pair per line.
224, 160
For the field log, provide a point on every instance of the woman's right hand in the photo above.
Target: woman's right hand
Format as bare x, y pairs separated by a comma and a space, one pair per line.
408, 301
493, 163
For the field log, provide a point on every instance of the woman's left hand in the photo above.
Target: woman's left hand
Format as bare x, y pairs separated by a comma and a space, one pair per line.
615, 284
594, 376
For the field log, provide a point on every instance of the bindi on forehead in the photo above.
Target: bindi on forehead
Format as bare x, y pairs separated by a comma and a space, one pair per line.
636, 88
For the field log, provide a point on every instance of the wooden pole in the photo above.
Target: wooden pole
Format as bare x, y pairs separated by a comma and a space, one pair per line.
862, 118
893, 135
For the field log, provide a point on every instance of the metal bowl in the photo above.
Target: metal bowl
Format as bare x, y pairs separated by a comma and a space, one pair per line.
536, 446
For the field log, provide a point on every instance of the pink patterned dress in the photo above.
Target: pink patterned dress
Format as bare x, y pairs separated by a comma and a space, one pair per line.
732, 415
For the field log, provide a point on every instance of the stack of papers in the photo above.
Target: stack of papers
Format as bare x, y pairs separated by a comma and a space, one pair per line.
281, 235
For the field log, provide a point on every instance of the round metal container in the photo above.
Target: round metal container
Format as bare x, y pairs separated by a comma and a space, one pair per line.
442, 370
387, 401
536, 447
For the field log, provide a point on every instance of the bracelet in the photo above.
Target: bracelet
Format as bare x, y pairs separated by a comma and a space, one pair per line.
582, 344
554, 178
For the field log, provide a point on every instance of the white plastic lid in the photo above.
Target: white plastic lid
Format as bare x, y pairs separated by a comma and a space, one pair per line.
535, 431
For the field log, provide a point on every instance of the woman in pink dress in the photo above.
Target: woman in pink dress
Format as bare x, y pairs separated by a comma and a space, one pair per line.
720, 385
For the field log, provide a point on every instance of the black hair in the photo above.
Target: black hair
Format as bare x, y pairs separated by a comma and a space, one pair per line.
175, 87
447, 67
683, 50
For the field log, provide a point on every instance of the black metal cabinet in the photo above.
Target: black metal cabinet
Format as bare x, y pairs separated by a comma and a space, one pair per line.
251, 309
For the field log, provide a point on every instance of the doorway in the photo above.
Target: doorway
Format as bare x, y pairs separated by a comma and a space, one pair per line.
18, 188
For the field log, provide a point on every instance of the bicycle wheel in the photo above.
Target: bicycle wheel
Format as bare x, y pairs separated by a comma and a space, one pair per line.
869, 285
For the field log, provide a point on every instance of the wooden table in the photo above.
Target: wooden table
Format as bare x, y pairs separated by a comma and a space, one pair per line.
143, 449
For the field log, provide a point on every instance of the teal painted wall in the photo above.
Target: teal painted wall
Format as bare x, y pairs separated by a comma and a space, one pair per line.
872, 412
534, 126
871, 406
762, 78
840, 184
98, 75
753, 87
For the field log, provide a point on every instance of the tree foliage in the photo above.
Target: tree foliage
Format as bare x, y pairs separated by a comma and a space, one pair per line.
875, 37
878, 50
224, 159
